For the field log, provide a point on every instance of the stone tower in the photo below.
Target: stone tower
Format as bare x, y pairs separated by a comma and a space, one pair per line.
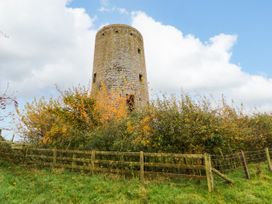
119, 64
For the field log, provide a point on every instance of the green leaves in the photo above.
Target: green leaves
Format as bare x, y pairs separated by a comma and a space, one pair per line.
60, 122
165, 125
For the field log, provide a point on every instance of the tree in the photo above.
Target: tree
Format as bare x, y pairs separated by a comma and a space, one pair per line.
6, 113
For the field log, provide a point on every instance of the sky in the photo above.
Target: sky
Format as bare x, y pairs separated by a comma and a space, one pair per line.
249, 19
211, 47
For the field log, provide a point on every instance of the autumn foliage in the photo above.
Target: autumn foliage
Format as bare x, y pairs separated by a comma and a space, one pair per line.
76, 120
109, 104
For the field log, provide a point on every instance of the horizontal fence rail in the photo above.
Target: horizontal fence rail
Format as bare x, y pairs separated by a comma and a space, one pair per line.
134, 163
140, 164
233, 161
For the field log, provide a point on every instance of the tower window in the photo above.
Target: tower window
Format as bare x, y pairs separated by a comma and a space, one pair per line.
131, 34
130, 102
103, 34
94, 78
119, 68
139, 51
140, 77
116, 31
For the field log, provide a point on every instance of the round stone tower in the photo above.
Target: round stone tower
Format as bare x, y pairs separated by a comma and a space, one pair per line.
119, 64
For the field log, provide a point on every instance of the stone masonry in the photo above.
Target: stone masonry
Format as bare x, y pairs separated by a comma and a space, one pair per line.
119, 64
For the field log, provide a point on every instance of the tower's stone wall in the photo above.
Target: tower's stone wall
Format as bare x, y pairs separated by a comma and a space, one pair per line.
119, 63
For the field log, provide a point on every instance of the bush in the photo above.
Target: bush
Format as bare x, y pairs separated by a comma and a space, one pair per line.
62, 122
75, 120
5, 147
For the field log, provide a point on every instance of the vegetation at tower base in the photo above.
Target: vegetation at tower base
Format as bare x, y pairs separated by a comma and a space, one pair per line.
74, 120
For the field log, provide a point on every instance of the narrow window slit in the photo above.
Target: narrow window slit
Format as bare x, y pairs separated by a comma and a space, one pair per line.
140, 77
94, 78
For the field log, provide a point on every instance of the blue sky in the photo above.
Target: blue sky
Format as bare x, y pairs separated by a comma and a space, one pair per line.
250, 20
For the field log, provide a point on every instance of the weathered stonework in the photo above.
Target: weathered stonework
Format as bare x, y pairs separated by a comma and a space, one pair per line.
119, 63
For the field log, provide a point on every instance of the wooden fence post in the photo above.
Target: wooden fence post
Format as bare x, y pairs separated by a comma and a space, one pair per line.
268, 159
25, 150
54, 157
142, 166
93, 161
73, 161
208, 170
244, 162
122, 164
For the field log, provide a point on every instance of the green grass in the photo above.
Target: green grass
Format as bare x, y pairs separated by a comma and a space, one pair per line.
26, 185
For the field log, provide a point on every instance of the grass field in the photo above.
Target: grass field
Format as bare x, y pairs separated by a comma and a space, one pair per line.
27, 185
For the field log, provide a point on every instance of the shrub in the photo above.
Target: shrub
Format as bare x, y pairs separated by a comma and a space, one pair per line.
60, 122
75, 120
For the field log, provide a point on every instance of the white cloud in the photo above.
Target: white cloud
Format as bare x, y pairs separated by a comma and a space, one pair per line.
105, 3
178, 62
122, 11
106, 7
48, 44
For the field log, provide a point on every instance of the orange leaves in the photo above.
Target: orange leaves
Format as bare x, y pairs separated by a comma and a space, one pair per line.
130, 127
110, 105
141, 129
170, 125
55, 121
145, 125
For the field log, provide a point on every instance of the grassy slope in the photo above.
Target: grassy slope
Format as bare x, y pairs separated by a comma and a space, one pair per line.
24, 185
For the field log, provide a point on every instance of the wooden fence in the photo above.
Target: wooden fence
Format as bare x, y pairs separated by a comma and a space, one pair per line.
225, 163
141, 164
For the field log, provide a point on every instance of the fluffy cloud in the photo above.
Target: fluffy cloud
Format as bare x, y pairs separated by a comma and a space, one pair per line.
185, 63
48, 44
